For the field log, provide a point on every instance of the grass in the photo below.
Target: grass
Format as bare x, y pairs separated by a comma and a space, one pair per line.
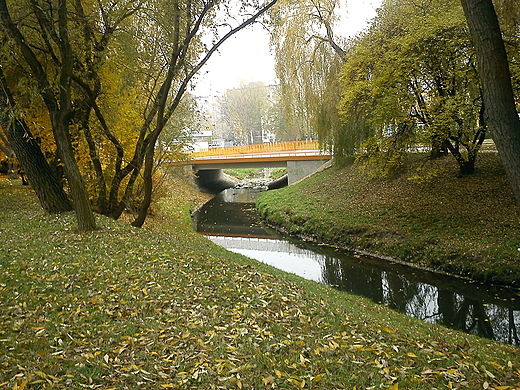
425, 215
164, 308
243, 173
278, 173
246, 173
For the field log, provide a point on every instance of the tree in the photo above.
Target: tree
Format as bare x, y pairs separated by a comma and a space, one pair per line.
410, 79
499, 101
308, 60
40, 175
58, 104
163, 109
244, 109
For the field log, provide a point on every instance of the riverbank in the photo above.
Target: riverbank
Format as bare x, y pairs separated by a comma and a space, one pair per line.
426, 216
164, 308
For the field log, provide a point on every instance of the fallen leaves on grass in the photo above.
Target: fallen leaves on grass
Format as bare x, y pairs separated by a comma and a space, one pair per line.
126, 308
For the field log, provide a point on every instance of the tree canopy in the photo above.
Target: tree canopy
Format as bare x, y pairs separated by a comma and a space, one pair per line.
110, 77
245, 112
411, 79
308, 58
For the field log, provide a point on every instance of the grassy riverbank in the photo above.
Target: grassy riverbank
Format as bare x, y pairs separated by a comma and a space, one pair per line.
164, 308
466, 226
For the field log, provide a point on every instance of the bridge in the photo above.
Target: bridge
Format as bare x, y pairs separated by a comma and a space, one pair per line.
301, 158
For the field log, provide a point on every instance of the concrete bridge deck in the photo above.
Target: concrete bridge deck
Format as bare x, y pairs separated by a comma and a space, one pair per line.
301, 158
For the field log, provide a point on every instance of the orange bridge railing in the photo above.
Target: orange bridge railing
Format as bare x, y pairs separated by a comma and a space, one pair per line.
258, 148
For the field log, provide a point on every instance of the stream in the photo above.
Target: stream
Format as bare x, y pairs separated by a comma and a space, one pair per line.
230, 220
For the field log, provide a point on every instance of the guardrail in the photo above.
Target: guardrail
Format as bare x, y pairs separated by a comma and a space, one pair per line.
258, 148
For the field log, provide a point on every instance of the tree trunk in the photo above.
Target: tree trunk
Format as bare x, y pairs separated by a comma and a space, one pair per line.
39, 173
148, 183
500, 111
101, 185
60, 117
82, 207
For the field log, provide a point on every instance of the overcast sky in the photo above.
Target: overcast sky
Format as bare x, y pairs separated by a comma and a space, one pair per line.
246, 57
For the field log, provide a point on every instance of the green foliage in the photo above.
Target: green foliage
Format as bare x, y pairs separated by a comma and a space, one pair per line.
307, 67
243, 173
414, 68
245, 110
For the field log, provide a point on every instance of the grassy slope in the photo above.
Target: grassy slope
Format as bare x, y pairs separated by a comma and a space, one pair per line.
467, 226
162, 307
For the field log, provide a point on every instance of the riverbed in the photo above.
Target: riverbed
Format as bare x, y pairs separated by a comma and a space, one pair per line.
230, 220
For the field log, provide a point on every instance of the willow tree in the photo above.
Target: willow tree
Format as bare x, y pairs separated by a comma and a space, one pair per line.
308, 60
76, 55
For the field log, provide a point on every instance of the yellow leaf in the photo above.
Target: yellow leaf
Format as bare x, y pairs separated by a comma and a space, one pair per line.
498, 367
388, 330
394, 386
296, 382
23, 384
268, 380
503, 387
318, 378
411, 354
489, 374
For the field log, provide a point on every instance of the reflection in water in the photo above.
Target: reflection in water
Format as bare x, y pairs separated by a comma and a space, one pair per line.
230, 221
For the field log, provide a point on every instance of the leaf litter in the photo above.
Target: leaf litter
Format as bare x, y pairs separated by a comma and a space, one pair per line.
124, 308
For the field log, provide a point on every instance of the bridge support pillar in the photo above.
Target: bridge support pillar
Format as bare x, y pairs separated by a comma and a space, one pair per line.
297, 170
